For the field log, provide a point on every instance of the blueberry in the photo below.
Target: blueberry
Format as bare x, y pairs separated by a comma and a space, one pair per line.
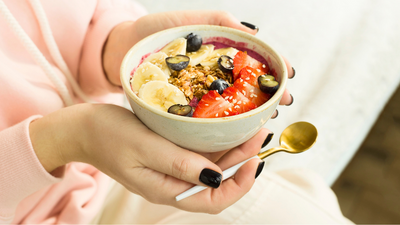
194, 42
268, 84
181, 110
225, 63
219, 85
178, 62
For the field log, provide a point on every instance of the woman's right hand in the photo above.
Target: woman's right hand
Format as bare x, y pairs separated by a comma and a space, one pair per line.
113, 140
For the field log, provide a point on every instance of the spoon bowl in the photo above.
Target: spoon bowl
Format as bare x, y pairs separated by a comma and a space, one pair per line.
299, 136
296, 138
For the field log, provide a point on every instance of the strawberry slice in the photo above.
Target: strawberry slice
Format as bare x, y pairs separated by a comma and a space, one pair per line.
254, 94
213, 105
240, 102
249, 75
242, 60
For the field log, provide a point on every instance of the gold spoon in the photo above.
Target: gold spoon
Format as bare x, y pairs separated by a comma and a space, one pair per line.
296, 138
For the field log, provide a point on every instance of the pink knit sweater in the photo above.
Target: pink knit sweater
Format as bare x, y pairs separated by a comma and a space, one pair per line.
72, 194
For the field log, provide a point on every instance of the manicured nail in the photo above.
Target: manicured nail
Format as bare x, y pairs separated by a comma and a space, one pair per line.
267, 140
292, 100
251, 26
294, 73
260, 168
210, 178
276, 114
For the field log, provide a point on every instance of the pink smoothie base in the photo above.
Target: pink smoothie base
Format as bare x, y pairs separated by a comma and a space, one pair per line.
221, 42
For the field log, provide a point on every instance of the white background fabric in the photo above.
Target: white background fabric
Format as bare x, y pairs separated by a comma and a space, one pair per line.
287, 197
347, 60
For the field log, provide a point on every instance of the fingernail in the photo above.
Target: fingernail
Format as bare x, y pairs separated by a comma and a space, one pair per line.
210, 178
267, 140
277, 113
260, 168
292, 100
251, 26
294, 73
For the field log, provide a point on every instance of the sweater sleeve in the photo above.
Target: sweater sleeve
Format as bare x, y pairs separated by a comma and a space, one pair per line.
107, 15
21, 173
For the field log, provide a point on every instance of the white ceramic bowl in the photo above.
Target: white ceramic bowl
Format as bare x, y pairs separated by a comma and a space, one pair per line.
201, 134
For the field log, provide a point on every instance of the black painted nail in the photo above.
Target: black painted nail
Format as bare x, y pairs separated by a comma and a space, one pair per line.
292, 100
210, 178
294, 73
260, 168
277, 113
267, 140
251, 26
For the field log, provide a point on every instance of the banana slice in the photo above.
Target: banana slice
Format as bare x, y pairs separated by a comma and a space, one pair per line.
147, 72
175, 47
212, 60
161, 95
158, 59
201, 54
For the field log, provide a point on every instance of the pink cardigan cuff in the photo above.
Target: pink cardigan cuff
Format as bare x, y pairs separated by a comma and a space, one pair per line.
21, 173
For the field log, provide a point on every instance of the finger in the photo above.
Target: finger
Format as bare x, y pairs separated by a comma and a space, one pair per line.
182, 164
251, 26
155, 186
232, 157
287, 99
249, 149
236, 187
208, 17
219, 18
231, 191
214, 156
228, 20
276, 113
164, 189
290, 69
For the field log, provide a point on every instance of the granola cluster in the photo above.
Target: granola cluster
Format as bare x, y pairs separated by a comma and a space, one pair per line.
195, 81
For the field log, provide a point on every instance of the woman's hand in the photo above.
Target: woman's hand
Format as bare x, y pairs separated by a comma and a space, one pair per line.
127, 34
112, 139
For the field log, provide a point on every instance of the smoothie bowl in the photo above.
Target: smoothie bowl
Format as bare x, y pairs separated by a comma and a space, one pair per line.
205, 88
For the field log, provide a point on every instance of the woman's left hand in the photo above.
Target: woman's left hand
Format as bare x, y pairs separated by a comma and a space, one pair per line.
127, 34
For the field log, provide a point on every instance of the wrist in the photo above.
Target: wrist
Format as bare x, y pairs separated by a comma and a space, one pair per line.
55, 138
119, 41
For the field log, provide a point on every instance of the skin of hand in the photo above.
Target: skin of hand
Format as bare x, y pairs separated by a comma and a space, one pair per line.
113, 140
127, 34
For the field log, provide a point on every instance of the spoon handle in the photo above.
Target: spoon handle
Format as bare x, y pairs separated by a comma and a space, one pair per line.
271, 151
232, 170
225, 174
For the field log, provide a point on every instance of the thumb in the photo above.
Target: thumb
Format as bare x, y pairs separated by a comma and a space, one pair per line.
220, 18
226, 19
185, 165
152, 23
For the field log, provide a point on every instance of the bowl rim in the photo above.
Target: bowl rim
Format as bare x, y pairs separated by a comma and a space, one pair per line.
130, 94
